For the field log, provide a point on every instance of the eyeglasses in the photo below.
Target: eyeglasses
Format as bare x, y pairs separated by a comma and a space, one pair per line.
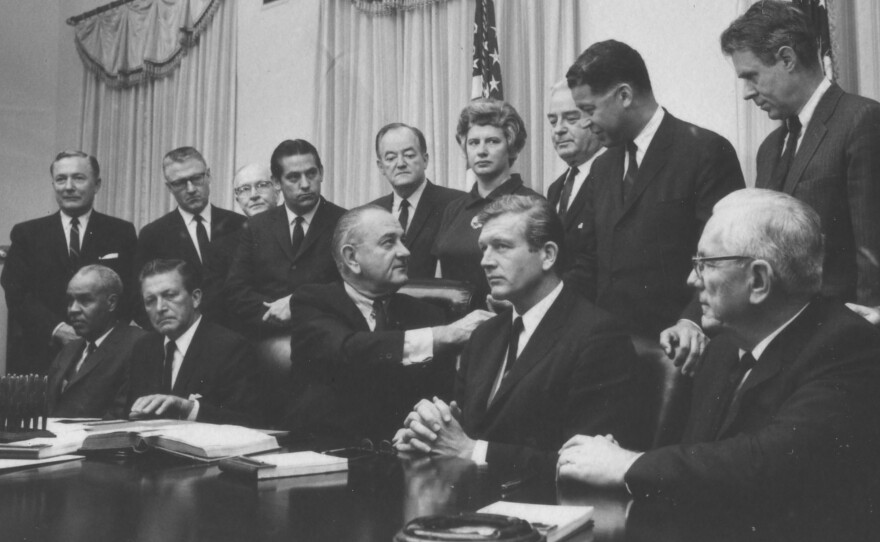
701, 261
196, 180
247, 190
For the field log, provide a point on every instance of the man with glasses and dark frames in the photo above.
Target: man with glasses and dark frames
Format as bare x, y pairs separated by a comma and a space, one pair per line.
283, 248
193, 231
783, 429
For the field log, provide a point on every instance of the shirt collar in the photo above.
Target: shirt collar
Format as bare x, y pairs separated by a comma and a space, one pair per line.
182, 343
806, 112
307, 217
363, 303
533, 316
413, 199
82, 219
643, 140
765, 342
188, 216
100, 339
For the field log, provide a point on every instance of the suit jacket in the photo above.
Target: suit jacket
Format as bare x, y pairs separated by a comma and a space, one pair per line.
38, 269
802, 434
349, 381
837, 172
92, 392
634, 257
423, 227
219, 366
576, 215
167, 238
577, 374
265, 269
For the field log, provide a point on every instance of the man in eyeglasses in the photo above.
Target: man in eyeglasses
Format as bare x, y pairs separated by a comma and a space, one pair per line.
254, 190
284, 247
192, 231
783, 423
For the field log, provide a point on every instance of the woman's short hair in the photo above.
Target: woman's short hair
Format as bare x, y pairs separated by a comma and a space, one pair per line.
490, 112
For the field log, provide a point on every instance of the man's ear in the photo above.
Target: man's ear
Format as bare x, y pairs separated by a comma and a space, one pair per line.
625, 94
761, 279
349, 258
788, 57
197, 297
112, 302
549, 254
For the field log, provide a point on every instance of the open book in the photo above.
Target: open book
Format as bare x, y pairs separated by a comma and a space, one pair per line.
67, 439
195, 440
553, 521
288, 464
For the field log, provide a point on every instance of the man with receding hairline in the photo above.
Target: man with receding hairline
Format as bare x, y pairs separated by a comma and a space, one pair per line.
192, 231
45, 254
416, 202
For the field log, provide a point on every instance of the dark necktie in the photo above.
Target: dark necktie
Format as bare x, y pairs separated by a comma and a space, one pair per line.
168, 368
513, 345
202, 236
567, 188
74, 241
404, 214
89, 348
296, 238
632, 170
780, 172
380, 315
735, 378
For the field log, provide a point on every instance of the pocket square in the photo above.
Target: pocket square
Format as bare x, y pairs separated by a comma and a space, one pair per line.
111, 256
581, 226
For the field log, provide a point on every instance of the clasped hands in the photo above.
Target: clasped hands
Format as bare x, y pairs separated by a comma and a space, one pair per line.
598, 460
433, 428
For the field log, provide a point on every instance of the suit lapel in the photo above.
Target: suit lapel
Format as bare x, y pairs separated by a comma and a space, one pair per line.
56, 378
814, 135
59, 241
97, 357
575, 205
316, 228
544, 338
484, 369
654, 161
425, 208
190, 361
183, 238
281, 230
776, 140
386, 202
555, 191
89, 248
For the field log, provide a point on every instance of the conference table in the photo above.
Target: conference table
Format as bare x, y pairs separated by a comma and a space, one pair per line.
156, 497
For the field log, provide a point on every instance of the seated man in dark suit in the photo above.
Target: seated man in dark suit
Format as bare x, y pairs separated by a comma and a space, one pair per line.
402, 156
189, 368
361, 352
87, 375
284, 247
193, 231
531, 378
794, 432
46, 252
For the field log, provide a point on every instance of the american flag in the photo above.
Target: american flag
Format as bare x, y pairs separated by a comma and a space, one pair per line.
487, 70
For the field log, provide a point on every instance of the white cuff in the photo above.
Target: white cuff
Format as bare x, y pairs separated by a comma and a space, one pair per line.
418, 346
478, 455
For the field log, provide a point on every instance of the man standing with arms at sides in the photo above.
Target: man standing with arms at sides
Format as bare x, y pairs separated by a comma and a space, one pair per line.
578, 147
783, 423
46, 252
652, 193
89, 373
402, 156
827, 151
189, 232
189, 368
530, 378
284, 247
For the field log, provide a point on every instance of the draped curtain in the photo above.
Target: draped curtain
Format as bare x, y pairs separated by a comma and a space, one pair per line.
415, 67
130, 129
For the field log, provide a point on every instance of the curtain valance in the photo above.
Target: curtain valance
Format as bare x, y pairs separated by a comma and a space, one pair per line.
388, 7
141, 40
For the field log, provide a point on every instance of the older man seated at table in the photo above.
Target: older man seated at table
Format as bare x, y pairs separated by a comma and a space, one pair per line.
362, 353
785, 405
530, 378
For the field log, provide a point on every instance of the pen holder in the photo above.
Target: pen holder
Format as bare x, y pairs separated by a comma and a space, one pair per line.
23, 409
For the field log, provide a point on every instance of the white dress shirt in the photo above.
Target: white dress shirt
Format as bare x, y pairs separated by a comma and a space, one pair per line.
181, 346
307, 219
643, 140
83, 220
581, 177
806, 112
191, 224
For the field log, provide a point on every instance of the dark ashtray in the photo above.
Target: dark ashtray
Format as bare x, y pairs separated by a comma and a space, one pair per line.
16, 436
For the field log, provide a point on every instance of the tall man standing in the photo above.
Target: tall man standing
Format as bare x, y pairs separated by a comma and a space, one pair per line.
650, 196
46, 252
189, 232
826, 151
578, 147
285, 247
402, 156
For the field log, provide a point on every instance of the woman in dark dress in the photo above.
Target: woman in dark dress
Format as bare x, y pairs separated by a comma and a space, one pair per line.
491, 133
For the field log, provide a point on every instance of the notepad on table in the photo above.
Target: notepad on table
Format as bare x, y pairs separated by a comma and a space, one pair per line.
284, 464
553, 521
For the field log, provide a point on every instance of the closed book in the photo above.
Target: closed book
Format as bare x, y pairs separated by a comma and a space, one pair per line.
286, 464
553, 521
199, 441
